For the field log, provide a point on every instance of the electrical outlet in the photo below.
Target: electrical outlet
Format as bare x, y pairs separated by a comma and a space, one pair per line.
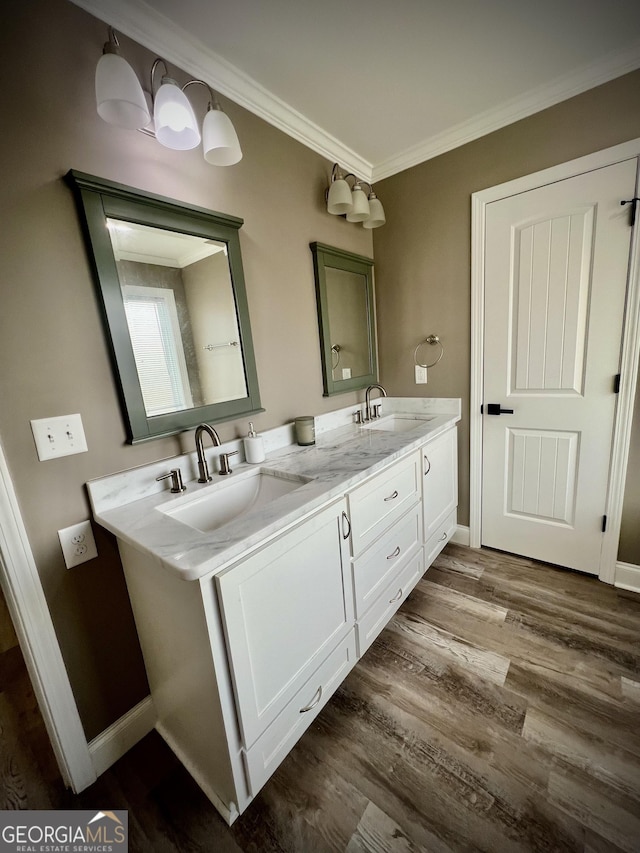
77, 543
61, 436
421, 375
346, 373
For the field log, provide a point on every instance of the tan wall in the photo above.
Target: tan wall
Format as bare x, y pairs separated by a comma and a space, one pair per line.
52, 347
423, 253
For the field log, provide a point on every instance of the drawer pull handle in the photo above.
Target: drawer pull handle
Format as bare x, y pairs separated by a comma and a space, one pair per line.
395, 554
317, 696
396, 597
443, 537
393, 496
345, 518
427, 460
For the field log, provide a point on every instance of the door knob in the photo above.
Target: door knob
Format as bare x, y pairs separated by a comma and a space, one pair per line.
496, 409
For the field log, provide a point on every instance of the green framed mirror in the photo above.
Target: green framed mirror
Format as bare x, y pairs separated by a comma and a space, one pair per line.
171, 289
346, 318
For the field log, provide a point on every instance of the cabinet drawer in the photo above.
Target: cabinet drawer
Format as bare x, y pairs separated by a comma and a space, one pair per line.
284, 608
439, 538
379, 614
375, 569
382, 500
272, 747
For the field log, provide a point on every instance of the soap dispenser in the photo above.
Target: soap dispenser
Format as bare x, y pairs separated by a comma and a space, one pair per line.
253, 446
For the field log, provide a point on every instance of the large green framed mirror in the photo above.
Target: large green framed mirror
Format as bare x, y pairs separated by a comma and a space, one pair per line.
346, 317
171, 288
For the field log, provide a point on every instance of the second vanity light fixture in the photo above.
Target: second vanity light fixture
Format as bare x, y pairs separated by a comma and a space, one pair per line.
165, 112
351, 201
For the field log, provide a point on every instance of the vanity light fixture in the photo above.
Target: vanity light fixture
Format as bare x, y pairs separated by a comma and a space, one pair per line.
344, 199
122, 101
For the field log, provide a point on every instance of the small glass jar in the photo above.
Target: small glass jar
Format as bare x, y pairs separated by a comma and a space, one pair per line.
305, 430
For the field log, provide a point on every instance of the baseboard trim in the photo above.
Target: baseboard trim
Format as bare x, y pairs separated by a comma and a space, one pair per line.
627, 577
112, 743
461, 536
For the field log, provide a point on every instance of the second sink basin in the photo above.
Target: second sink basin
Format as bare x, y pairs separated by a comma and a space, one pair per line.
398, 423
228, 499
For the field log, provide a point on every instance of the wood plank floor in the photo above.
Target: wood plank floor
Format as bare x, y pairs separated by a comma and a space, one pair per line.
499, 711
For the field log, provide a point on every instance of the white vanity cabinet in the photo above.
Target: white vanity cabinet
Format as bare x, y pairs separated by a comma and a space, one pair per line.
439, 492
241, 660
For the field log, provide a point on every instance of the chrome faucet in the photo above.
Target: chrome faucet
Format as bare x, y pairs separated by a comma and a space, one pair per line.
367, 399
203, 469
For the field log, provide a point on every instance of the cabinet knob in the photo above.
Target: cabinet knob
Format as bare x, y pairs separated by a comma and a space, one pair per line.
392, 497
395, 554
426, 459
346, 533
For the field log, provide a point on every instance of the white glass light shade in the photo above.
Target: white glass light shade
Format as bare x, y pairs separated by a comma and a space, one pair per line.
376, 213
175, 122
119, 96
220, 140
360, 210
339, 199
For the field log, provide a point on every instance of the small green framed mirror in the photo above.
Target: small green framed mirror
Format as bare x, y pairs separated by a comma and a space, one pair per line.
171, 287
346, 317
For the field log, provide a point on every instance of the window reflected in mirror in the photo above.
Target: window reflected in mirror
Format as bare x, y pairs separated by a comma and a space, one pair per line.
181, 314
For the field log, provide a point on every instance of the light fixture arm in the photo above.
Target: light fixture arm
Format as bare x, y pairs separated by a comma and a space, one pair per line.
112, 45
213, 98
153, 73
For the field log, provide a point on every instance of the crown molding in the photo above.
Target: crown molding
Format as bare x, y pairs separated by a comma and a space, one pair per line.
143, 24
157, 33
582, 79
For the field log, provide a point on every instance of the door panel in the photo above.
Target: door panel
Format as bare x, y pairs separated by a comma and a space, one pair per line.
556, 264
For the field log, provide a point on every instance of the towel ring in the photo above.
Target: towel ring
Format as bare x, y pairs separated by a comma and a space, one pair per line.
432, 339
335, 350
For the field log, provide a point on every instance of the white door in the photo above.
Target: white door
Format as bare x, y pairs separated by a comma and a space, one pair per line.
556, 261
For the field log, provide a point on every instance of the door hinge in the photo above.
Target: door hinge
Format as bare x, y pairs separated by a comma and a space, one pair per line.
616, 383
604, 523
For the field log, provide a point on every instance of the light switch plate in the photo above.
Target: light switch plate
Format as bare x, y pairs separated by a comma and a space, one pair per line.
61, 436
421, 375
78, 544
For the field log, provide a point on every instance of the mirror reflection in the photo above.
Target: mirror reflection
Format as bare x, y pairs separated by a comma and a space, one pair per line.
344, 291
181, 315
348, 332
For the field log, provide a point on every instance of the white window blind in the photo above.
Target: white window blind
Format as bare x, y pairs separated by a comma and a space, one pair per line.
154, 329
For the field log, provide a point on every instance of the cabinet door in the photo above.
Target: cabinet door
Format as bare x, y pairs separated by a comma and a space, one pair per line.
439, 481
285, 608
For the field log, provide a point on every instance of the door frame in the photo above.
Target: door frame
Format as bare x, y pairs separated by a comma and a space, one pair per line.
630, 351
22, 588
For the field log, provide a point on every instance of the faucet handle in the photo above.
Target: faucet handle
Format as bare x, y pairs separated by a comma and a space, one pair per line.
175, 475
357, 416
377, 411
224, 462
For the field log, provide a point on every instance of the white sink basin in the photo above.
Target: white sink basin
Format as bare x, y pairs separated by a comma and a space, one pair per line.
229, 498
398, 423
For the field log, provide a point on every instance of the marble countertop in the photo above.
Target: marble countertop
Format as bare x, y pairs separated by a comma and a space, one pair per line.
132, 506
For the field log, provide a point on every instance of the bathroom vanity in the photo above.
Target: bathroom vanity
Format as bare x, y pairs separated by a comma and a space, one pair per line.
252, 610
